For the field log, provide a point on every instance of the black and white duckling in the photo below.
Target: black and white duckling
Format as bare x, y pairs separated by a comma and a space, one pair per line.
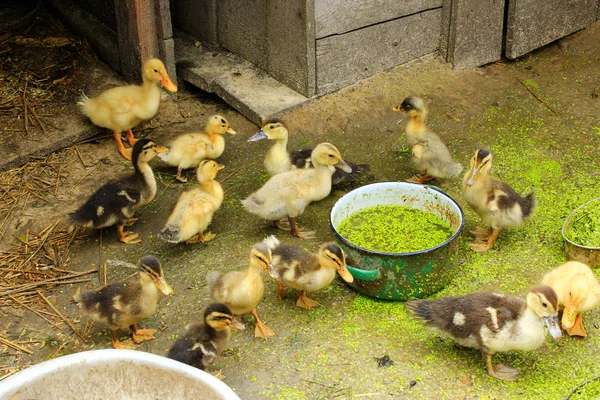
496, 203
195, 208
493, 322
242, 291
187, 150
116, 202
124, 304
203, 341
278, 159
287, 194
430, 156
305, 271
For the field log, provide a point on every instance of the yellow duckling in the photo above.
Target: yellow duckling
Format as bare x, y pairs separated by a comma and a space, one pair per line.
493, 323
305, 271
187, 150
578, 291
122, 305
243, 290
123, 107
287, 194
195, 208
496, 203
116, 202
430, 155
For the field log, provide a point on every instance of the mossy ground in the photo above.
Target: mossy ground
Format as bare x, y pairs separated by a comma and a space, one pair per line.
548, 148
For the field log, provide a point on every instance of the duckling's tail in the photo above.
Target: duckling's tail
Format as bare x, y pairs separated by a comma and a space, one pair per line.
252, 203
421, 309
84, 104
212, 278
272, 242
453, 170
80, 218
170, 234
527, 204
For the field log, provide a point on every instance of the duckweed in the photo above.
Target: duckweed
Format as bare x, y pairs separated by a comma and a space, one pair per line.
585, 226
395, 229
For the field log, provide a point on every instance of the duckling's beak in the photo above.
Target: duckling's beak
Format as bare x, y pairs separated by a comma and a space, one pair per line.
345, 274
397, 108
161, 149
167, 83
343, 166
272, 273
237, 324
230, 131
569, 314
220, 166
553, 327
471, 180
163, 286
260, 135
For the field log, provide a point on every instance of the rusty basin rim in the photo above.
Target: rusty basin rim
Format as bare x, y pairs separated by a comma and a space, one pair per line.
398, 255
568, 221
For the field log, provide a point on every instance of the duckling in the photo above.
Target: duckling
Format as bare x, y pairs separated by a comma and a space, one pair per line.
122, 305
429, 154
187, 150
288, 193
493, 323
202, 342
578, 290
195, 208
496, 203
305, 271
116, 202
243, 290
278, 159
123, 107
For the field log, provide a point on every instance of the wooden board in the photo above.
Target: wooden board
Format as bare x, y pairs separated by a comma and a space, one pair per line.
339, 16
345, 59
535, 23
197, 18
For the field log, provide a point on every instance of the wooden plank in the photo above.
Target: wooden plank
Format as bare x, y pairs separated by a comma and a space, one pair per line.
243, 29
164, 31
535, 23
345, 59
291, 44
445, 28
334, 17
197, 18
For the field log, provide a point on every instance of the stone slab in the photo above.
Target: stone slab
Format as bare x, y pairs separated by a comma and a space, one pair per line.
242, 85
197, 18
535, 23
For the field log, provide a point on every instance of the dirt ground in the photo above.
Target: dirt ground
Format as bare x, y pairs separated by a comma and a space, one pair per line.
539, 115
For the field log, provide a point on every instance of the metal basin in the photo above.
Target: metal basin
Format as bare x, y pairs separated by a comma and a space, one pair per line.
400, 276
113, 374
575, 251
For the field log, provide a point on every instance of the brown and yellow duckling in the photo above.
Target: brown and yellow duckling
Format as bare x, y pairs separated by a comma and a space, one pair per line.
122, 305
496, 203
195, 208
578, 291
430, 155
305, 271
116, 202
123, 107
187, 150
493, 322
287, 194
202, 342
242, 291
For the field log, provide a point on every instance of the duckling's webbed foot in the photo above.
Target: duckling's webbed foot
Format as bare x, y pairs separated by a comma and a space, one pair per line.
130, 138
283, 224
482, 245
130, 221
126, 153
305, 302
126, 345
141, 335
481, 233
301, 233
420, 178
261, 330
218, 374
500, 371
201, 238
179, 177
127, 237
577, 329
280, 289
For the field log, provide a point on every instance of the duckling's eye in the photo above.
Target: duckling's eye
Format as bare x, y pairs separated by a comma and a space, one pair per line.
272, 127
544, 305
155, 70
331, 155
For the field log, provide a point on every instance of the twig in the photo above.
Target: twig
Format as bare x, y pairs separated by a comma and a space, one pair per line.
25, 118
15, 346
580, 386
33, 311
80, 157
233, 173
45, 237
53, 281
537, 97
61, 316
38, 120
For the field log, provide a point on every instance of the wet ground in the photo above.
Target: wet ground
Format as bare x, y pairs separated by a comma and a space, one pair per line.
539, 115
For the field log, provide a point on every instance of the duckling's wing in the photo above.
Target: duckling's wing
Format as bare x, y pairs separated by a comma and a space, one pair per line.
120, 102
105, 203
301, 158
288, 257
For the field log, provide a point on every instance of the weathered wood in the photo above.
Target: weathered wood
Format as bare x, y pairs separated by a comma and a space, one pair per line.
197, 18
291, 44
535, 23
475, 32
345, 59
445, 28
104, 10
339, 16
242, 29
164, 31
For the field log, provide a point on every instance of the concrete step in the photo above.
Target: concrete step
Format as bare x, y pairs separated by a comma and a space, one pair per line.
245, 87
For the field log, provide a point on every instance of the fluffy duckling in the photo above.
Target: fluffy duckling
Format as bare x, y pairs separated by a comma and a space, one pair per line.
305, 271
187, 150
429, 154
123, 107
195, 208
203, 341
116, 202
124, 304
578, 290
288, 193
496, 203
278, 160
243, 290
493, 323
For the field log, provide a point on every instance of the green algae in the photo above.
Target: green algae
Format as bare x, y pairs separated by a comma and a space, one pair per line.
584, 228
394, 229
